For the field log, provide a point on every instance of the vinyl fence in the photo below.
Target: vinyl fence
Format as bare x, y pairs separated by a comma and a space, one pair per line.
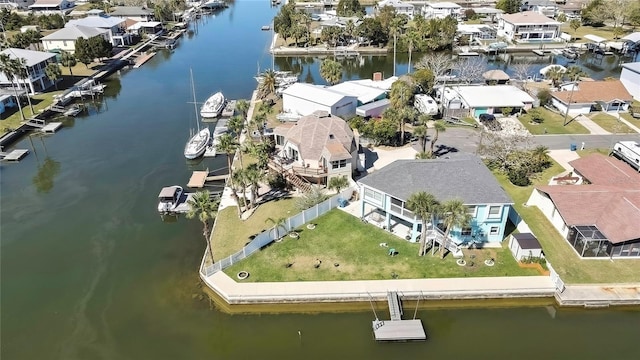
266, 237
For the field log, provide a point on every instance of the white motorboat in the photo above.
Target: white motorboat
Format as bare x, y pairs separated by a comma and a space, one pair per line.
73, 110
198, 142
213, 106
169, 198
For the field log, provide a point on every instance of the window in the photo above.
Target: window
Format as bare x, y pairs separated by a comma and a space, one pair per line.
279, 140
466, 231
494, 211
495, 230
471, 210
372, 195
338, 164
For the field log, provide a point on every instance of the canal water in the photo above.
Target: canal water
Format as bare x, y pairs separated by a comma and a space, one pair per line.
89, 271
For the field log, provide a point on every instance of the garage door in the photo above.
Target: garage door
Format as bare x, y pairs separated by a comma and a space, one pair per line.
479, 111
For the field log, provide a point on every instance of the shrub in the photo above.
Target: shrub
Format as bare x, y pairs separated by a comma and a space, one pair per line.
309, 199
536, 116
277, 181
544, 96
518, 177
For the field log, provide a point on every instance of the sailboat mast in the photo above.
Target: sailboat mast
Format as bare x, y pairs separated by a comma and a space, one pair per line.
195, 104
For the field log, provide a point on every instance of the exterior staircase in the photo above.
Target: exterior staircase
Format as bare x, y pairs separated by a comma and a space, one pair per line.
452, 247
290, 175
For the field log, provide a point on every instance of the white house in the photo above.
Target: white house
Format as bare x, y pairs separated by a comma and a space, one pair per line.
16, 4
65, 38
630, 78
115, 26
400, 7
528, 26
481, 99
581, 97
52, 6
35, 62
364, 93
441, 10
544, 7
476, 31
304, 99
317, 147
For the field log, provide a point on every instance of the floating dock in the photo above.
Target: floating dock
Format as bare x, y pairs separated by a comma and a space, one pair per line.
14, 155
51, 127
397, 329
143, 59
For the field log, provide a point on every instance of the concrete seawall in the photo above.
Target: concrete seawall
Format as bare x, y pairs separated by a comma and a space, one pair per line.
235, 293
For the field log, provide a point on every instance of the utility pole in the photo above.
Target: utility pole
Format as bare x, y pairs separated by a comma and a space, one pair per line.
566, 113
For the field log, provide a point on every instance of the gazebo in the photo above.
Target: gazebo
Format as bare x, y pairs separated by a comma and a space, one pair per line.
496, 77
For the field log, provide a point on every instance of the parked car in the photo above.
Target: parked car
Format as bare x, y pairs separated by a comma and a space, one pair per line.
490, 122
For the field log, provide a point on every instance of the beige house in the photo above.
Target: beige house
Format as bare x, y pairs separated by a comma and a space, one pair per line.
317, 147
528, 26
65, 38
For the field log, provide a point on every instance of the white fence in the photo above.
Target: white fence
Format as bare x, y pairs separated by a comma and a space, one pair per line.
268, 236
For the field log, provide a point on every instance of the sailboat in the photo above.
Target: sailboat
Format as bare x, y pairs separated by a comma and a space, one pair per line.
198, 142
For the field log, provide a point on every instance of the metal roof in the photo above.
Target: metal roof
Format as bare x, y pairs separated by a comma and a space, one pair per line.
31, 57
318, 94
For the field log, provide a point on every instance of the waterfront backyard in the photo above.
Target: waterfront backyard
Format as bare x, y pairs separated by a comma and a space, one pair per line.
342, 247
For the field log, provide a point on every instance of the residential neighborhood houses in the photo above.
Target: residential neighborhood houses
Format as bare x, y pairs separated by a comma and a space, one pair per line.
329, 133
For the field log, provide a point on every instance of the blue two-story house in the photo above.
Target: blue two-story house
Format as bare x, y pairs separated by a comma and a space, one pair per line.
464, 177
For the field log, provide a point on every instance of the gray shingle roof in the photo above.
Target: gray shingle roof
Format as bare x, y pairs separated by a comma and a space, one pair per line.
463, 177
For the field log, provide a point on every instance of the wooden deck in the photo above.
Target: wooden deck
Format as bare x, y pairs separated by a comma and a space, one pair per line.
51, 127
143, 59
198, 178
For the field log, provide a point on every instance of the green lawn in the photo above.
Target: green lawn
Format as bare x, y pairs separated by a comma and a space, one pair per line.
231, 233
630, 118
611, 124
563, 258
12, 119
343, 240
578, 35
552, 124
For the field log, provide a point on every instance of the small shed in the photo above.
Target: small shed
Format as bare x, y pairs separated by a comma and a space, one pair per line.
496, 77
524, 245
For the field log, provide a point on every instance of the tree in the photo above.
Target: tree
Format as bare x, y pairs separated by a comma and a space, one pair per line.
595, 13
424, 80
561, 18
420, 132
424, 205
205, 207
509, 6
239, 179
68, 60
310, 198
53, 72
253, 176
242, 106
555, 74
99, 47
412, 39
575, 24
338, 183
544, 95
454, 214
331, 71
371, 28
470, 69
7, 67
278, 223
21, 73
267, 84
348, 8
227, 145
521, 71
439, 127
439, 63
83, 52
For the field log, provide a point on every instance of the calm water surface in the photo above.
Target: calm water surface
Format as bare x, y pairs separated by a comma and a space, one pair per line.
90, 272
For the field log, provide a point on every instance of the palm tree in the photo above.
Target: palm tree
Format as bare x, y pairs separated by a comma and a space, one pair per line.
268, 83
227, 145
454, 214
236, 125
413, 38
438, 127
68, 60
394, 29
243, 107
421, 133
53, 72
555, 74
331, 71
253, 175
8, 69
338, 183
240, 180
260, 151
205, 207
277, 224
22, 73
424, 205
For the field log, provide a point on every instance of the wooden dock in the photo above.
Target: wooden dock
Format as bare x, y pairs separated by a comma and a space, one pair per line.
51, 127
143, 59
14, 155
397, 329
229, 109
200, 178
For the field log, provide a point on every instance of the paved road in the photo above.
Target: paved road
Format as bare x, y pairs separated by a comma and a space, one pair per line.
466, 140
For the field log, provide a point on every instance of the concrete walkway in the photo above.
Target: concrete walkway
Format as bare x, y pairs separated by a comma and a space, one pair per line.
563, 157
593, 128
600, 295
626, 122
364, 290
